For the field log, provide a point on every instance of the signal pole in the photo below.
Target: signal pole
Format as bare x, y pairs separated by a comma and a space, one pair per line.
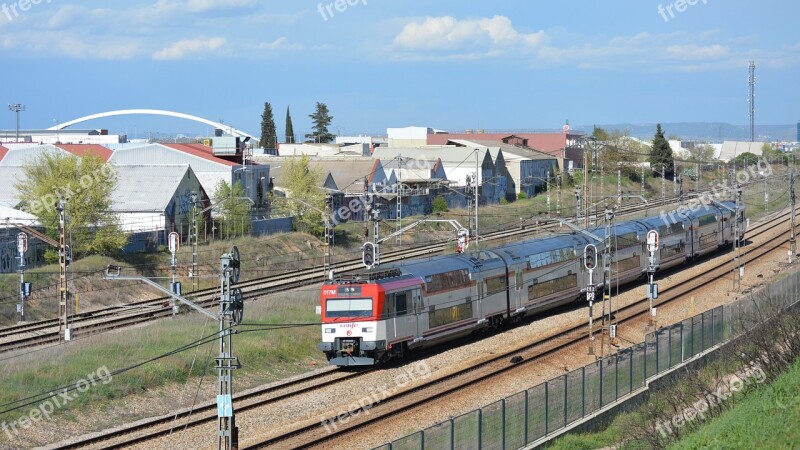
231, 310
619, 186
63, 257
175, 287
652, 288
194, 236
590, 262
738, 268
24, 288
558, 195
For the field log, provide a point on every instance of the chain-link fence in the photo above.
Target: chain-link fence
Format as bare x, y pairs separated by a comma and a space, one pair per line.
533, 414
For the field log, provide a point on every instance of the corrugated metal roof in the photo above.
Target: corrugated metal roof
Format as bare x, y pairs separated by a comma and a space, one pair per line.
15, 216
22, 155
82, 149
158, 153
509, 151
732, 149
8, 194
3, 152
449, 155
146, 187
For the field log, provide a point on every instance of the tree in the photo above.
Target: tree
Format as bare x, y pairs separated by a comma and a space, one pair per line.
269, 135
86, 184
321, 119
232, 204
303, 182
661, 154
600, 134
289, 128
439, 204
701, 152
619, 149
746, 159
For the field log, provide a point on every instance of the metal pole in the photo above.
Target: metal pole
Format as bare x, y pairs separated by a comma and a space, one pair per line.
399, 221
477, 198
63, 325
619, 186
548, 195
590, 296
792, 240
22, 242
558, 195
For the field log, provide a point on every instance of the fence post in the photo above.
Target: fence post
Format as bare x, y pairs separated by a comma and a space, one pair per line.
630, 378
453, 426
669, 346
656, 336
565, 401
546, 407
712, 328
422, 440
601, 383
526, 420
504, 424
480, 426
702, 331
583, 391
683, 350
616, 376
644, 375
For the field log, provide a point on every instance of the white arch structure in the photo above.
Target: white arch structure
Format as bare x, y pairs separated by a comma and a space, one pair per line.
153, 112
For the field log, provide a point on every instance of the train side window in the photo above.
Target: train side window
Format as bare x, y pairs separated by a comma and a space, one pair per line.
401, 304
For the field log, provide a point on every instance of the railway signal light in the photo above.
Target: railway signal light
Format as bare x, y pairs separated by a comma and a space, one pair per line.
590, 257
369, 254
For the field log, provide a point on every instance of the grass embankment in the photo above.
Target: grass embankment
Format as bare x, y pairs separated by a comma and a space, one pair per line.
266, 356
766, 418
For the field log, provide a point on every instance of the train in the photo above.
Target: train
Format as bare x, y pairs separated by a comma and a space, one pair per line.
371, 318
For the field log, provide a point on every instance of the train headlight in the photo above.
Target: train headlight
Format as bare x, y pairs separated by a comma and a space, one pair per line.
330, 330
367, 330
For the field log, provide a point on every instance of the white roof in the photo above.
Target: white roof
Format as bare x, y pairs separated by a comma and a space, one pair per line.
146, 188
732, 149
15, 216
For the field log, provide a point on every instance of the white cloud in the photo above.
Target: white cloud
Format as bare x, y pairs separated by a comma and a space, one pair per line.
694, 52
449, 33
200, 6
282, 43
183, 48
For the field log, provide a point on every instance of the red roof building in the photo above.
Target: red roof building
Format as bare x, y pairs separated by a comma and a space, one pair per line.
83, 149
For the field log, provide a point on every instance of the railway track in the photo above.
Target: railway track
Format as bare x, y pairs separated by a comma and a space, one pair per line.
150, 429
311, 434
45, 332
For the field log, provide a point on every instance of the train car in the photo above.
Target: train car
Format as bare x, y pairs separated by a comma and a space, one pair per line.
368, 319
422, 303
544, 273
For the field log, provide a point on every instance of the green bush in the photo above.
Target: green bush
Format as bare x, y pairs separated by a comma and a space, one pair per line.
522, 195
439, 204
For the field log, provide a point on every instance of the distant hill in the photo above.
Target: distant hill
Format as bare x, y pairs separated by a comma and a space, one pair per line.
705, 131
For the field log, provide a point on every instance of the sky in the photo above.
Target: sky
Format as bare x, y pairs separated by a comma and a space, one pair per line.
499, 65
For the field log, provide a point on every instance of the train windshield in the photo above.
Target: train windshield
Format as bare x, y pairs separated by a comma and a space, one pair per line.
349, 307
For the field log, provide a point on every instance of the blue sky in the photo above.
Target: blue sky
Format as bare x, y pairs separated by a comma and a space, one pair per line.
505, 64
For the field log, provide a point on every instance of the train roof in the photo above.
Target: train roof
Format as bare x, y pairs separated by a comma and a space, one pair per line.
530, 247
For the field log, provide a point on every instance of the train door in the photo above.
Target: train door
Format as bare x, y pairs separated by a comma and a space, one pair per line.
419, 312
520, 301
405, 314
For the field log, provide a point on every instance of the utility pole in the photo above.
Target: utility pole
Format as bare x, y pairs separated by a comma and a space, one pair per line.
16, 108
619, 186
585, 185
642, 180
399, 215
477, 198
175, 287
24, 288
766, 195
752, 100
680, 190
329, 235
607, 258
231, 310
194, 236
792, 240
367, 206
549, 216
64, 258
578, 206
558, 195
738, 268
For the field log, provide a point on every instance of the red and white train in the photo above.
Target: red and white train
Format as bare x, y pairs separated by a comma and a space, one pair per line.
371, 318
